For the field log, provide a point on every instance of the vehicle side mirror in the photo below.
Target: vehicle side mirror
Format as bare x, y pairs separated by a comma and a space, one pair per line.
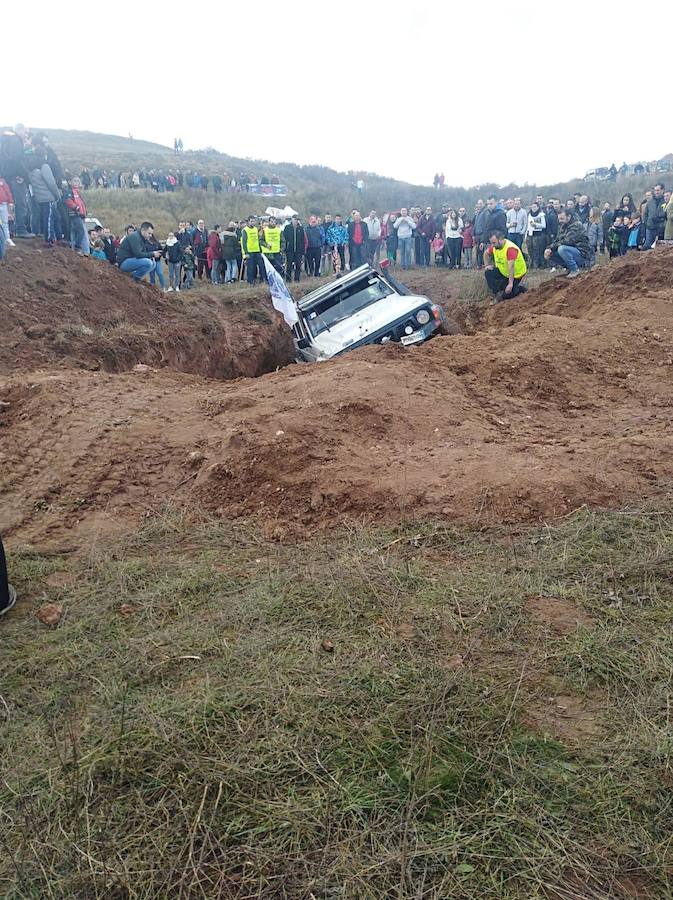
303, 343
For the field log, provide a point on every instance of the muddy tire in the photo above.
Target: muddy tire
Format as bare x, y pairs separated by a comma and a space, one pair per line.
448, 326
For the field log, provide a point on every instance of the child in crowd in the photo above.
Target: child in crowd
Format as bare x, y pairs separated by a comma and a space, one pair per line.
468, 244
614, 238
189, 267
624, 234
98, 249
174, 257
437, 244
636, 236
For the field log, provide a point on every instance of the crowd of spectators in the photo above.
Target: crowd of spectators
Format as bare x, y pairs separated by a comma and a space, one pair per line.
166, 181
37, 196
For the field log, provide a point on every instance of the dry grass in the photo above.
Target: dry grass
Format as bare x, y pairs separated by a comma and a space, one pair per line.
205, 745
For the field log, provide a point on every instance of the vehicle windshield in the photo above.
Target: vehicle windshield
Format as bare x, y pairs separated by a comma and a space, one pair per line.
345, 304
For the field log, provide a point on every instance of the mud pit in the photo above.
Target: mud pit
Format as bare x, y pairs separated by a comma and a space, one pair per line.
563, 398
59, 310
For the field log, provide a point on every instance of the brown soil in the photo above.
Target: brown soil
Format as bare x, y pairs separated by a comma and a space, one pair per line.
61, 309
559, 615
563, 398
575, 720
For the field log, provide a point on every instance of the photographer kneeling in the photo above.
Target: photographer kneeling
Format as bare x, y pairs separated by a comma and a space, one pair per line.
136, 254
505, 267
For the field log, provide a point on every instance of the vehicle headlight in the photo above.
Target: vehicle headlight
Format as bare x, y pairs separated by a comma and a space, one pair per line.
422, 317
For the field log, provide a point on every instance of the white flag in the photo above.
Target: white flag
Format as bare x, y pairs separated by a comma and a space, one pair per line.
280, 296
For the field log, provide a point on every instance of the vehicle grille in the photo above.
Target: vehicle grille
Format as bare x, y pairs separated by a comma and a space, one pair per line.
395, 333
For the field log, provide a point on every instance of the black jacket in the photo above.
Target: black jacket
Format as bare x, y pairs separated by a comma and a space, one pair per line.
12, 160
134, 246
655, 215
294, 238
313, 236
551, 218
572, 234
365, 231
109, 249
174, 252
494, 220
583, 213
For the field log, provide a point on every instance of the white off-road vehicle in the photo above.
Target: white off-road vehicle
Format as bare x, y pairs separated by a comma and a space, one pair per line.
365, 306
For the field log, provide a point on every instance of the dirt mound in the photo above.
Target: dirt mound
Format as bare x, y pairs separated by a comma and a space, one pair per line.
61, 309
637, 282
525, 420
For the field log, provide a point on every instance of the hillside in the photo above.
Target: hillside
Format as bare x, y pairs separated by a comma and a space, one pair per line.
311, 188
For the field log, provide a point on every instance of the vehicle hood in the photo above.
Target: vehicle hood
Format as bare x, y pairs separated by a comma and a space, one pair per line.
368, 321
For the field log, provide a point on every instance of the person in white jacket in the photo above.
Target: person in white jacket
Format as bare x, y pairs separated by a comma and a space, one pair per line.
537, 240
404, 225
453, 233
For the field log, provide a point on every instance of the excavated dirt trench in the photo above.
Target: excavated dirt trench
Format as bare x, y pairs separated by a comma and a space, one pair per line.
61, 310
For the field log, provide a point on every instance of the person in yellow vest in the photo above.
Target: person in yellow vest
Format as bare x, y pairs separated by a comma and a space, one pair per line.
273, 244
252, 251
505, 267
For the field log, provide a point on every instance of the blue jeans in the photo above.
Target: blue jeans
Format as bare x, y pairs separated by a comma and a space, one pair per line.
138, 267
650, 237
79, 239
215, 271
405, 245
158, 271
571, 258
254, 263
189, 278
232, 271
174, 269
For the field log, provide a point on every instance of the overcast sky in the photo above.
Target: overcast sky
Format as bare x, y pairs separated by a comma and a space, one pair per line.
529, 91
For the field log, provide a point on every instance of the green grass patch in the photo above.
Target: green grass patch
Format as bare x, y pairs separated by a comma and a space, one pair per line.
203, 743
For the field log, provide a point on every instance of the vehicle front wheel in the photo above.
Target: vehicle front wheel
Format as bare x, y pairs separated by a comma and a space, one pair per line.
448, 326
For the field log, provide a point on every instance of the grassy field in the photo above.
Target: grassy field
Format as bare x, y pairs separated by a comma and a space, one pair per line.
426, 712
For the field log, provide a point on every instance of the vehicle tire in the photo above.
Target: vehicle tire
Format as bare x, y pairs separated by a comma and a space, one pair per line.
448, 326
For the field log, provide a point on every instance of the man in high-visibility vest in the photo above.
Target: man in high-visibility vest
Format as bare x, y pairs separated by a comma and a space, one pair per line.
505, 267
273, 244
252, 251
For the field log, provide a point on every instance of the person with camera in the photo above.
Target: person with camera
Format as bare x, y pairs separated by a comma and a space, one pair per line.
137, 255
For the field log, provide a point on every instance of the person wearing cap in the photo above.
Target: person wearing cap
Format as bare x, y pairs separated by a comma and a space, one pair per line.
252, 251
505, 266
294, 247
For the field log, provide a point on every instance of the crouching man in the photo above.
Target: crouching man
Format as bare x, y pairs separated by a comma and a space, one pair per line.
136, 255
570, 248
505, 267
